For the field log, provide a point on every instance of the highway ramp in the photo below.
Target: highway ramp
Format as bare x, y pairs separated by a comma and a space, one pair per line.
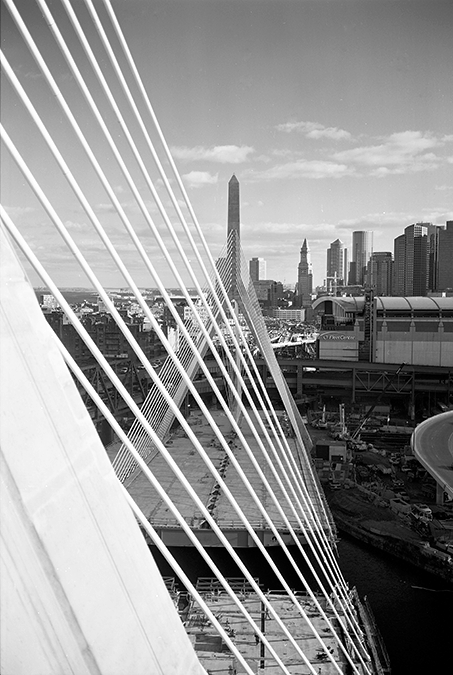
432, 443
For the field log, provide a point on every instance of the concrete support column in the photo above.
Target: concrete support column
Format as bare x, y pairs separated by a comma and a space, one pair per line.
439, 494
300, 377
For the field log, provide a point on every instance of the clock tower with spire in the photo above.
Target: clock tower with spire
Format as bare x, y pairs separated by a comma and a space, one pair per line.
304, 277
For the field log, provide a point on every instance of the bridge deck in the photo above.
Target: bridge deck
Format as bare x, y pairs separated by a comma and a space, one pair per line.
204, 484
217, 659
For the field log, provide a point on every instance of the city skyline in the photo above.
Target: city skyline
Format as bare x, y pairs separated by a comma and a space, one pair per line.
335, 117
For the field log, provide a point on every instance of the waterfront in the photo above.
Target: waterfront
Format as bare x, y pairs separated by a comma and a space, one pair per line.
412, 608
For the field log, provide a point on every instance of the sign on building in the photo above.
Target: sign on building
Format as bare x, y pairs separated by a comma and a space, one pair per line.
336, 346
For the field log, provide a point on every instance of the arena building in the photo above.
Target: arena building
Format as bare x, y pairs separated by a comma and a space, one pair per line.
412, 330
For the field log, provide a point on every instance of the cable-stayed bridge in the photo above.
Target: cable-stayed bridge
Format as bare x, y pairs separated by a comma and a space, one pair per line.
81, 592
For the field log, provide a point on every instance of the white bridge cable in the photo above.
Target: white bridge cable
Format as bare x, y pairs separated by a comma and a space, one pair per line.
157, 541
67, 238
93, 394
284, 390
175, 365
136, 154
55, 30
129, 337
167, 373
153, 117
90, 54
155, 412
170, 192
168, 154
151, 531
126, 89
251, 302
246, 297
82, 332
299, 480
100, 290
68, 112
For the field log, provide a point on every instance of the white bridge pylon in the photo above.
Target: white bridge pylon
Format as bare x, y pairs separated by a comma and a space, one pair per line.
56, 612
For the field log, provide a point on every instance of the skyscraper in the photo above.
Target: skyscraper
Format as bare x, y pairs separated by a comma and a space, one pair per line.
304, 277
399, 245
445, 257
411, 264
379, 274
336, 260
362, 247
257, 269
416, 259
440, 277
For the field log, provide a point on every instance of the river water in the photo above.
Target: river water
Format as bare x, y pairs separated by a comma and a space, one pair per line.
413, 609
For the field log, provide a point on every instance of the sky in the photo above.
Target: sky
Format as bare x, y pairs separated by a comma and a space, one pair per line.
334, 115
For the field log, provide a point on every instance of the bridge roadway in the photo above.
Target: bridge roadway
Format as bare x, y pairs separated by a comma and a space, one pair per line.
207, 489
432, 442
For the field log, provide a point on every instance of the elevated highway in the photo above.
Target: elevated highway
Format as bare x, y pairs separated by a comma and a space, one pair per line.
357, 378
432, 443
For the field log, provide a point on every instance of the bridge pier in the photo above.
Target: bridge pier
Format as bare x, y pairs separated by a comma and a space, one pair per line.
440, 494
299, 382
105, 432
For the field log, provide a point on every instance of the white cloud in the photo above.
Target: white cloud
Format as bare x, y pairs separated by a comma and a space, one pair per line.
303, 168
251, 230
18, 211
281, 152
402, 152
383, 219
130, 206
393, 221
197, 179
223, 154
77, 227
436, 215
314, 130
287, 237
